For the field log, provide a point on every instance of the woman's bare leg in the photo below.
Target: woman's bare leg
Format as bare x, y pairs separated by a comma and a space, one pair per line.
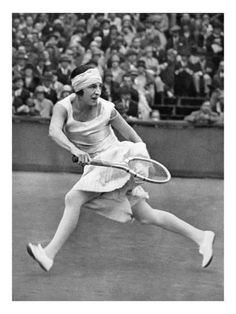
73, 202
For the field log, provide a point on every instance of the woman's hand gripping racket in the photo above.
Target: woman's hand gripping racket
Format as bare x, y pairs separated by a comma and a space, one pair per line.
145, 169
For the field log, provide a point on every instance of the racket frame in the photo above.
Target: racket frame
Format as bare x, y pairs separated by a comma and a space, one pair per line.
124, 166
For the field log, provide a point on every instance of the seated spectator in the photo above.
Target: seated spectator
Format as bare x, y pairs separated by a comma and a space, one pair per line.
187, 39
76, 52
47, 84
105, 34
116, 42
145, 82
217, 101
136, 46
174, 40
30, 80
131, 60
207, 70
31, 108
155, 115
167, 74
42, 104
160, 22
98, 56
115, 20
19, 94
215, 45
159, 25
218, 78
204, 116
89, 52
55, 84
184, 77
115, 68
127, 81
19, 64
64, 70
127, 107
202, 80
66, 91
40, 66
110, 88
112, 36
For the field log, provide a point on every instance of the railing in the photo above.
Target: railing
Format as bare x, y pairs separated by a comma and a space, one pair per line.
177, 108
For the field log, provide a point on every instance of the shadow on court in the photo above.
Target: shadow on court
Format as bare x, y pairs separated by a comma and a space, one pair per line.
106, 260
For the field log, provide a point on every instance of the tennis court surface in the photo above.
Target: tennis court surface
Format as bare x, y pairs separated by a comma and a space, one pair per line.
105, 260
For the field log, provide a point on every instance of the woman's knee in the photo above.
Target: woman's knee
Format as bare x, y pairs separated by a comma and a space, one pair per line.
144, 213
72, 199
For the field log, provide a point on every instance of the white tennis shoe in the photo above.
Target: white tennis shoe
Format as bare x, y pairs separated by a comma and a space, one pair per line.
206, 248
39, 255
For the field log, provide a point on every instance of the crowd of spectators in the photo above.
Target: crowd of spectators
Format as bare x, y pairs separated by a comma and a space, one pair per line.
141, 57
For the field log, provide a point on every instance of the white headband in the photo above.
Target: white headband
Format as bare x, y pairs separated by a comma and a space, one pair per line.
91, 76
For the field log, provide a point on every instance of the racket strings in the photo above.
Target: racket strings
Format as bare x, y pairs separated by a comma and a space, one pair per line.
148, 169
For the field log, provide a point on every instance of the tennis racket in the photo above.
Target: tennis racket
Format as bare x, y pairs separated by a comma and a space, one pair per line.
145, 169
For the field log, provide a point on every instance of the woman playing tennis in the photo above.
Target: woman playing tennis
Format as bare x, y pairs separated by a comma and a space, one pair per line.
83, 124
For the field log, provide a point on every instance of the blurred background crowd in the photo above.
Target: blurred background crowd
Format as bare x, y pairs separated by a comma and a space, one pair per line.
152, 64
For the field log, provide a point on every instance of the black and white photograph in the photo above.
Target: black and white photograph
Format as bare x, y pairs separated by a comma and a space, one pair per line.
117, 155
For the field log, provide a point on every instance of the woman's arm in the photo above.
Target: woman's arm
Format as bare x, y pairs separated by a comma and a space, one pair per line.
57, 123
120, 125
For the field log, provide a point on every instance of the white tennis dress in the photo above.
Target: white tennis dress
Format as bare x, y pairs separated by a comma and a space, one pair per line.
118, 191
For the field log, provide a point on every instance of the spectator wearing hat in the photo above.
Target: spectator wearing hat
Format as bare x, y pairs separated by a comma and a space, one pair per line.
116, 70
130, 60
145, 82
112, 37
19, 94
64, 70
19, 63
66, 91
55, 84
150, 61
42, 104
105, 34
30, 79
128, 34
89, 51
207, 27
98, 56
29, 24
128, 82
167, 73
94, 22
184, 85
115, 20
126, 106
160, 22
187, 39
136, 45
110, 89
174, 40
47, 84
41, 67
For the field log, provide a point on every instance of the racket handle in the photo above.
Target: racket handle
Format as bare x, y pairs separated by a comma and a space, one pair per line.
75, 159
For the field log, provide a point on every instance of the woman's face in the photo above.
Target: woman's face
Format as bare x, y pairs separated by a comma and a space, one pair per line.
91, 94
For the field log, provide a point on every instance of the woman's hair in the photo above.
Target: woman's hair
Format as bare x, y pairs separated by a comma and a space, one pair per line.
80, 69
